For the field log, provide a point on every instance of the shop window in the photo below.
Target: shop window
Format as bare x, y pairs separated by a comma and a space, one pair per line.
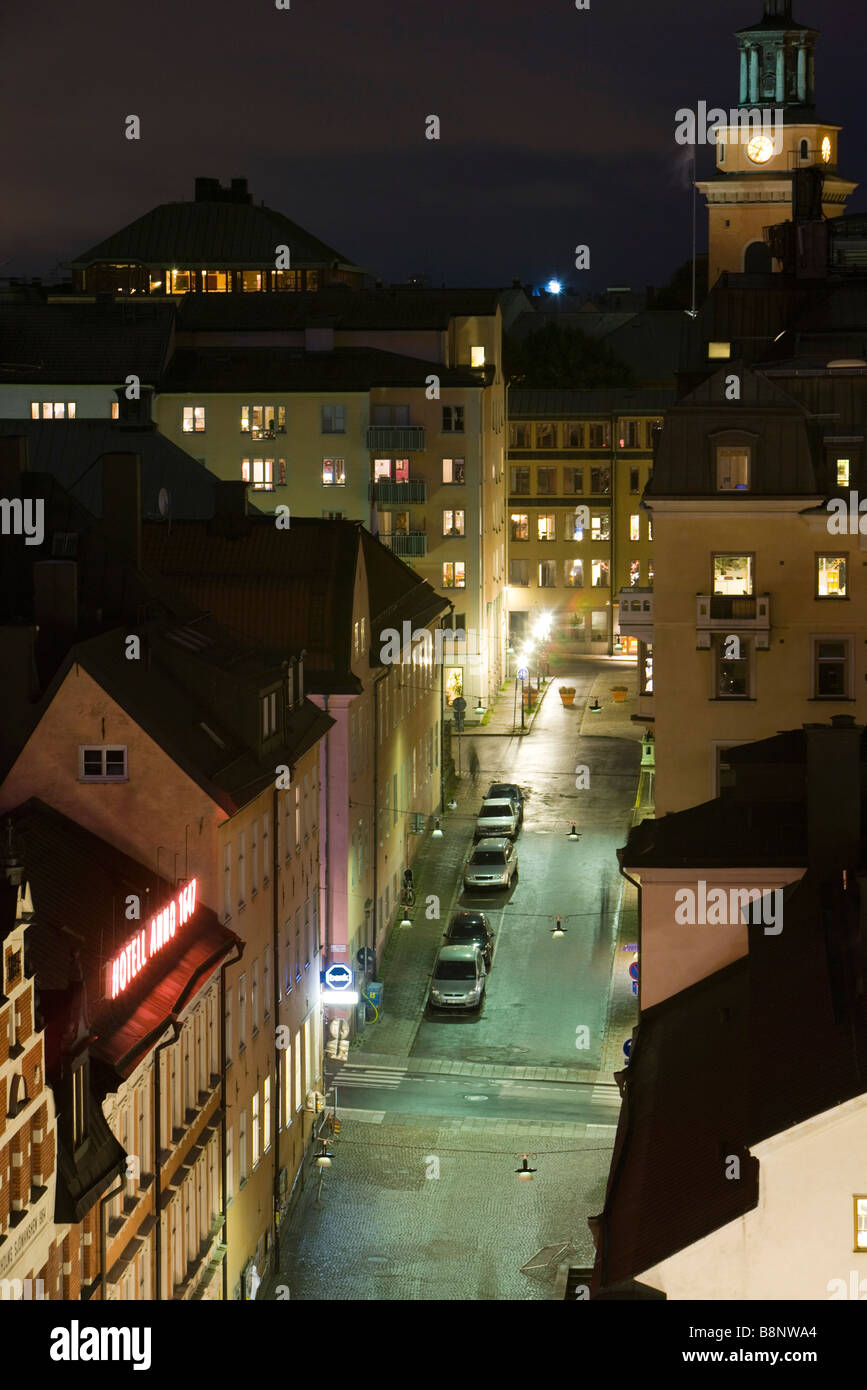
831, 576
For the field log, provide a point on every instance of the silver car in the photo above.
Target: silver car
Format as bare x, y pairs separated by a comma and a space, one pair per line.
498, 817
458, 979
492, 863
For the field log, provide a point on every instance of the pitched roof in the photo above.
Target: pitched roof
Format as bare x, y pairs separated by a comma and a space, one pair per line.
79, 884
208, 234
71, 450
196, 692
392, 307
526, 403
718, 1068
294, 369
291, 589
78, 343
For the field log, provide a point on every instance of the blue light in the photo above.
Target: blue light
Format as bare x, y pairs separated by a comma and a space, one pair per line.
553, 287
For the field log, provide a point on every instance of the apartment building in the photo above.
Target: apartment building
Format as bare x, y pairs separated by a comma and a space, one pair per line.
579, 462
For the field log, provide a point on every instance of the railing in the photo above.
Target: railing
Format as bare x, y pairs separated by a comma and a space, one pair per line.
411, 543
733, 613
635, 607
411, 490
410, 438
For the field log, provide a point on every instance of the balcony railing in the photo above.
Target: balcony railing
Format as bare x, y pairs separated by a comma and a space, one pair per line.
412, 490
636, 613
411, 543
403, 439
733, 613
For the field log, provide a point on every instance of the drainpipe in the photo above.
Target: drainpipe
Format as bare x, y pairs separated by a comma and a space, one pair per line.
224, 1155
637, 886
158, 1228
103, 1201
275, 1096
612, 582
327, 821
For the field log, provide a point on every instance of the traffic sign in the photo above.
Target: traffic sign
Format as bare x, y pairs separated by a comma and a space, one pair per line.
338, 977
627, 1048
523, 673
633, 970
634, 986
459, 704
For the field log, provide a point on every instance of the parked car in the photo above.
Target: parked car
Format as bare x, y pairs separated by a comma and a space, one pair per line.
491, 863
472, 929
496, 818
497, 790
458, 979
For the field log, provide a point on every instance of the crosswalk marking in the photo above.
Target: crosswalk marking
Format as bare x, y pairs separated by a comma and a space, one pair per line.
357, 1074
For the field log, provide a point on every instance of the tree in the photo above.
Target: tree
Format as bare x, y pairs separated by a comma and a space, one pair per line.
564, 357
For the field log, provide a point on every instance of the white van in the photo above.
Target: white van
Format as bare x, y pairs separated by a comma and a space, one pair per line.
497, 818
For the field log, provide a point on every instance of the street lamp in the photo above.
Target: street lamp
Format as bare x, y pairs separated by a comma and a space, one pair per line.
525, 1173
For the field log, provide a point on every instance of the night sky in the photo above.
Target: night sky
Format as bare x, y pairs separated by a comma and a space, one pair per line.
557, 124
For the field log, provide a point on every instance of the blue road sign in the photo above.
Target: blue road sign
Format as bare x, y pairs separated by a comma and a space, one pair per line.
634, 986
338, 977
627, 1048
523, 673
633, 970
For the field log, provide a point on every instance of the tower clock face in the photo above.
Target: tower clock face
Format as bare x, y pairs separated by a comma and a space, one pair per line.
760, 149
826, 150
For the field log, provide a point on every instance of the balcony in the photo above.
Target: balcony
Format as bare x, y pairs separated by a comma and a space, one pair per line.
412, 490
733, 613
636, 613
406, 439
411, 543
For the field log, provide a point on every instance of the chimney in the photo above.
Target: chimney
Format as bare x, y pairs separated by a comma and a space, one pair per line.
205, 189
239, 191
13, 462
230, 509
834, 794
121, 504
55, 597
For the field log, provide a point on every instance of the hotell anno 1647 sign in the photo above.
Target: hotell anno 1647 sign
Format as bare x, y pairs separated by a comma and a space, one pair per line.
122, 969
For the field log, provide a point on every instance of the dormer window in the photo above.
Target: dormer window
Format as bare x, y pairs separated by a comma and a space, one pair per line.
733, 468
269, 714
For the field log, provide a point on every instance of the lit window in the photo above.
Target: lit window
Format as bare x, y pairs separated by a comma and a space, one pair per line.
831, 576
635, 527
401, 470
453, 523
600, 526
333, 473
454, 574
634, 572
546, 527
547, 574
733, 574
860, 1223
269, 714
842, 472
721, 350
599, 574
106, 764
732, 469
520, 525
266, 1114
453, 471
477, 357
194, 419
115, 410
179, 281
251, 280
259, 473
573, 574
254, 1129
381, 469
453, 419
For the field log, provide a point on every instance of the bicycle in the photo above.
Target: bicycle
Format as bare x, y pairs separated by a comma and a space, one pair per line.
407, 896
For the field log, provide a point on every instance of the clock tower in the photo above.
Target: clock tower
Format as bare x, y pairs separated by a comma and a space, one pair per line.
771, 134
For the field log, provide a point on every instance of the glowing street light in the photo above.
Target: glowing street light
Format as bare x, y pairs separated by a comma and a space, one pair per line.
553, 287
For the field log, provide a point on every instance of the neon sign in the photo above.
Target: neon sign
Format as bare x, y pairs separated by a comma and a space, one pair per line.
141, 948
